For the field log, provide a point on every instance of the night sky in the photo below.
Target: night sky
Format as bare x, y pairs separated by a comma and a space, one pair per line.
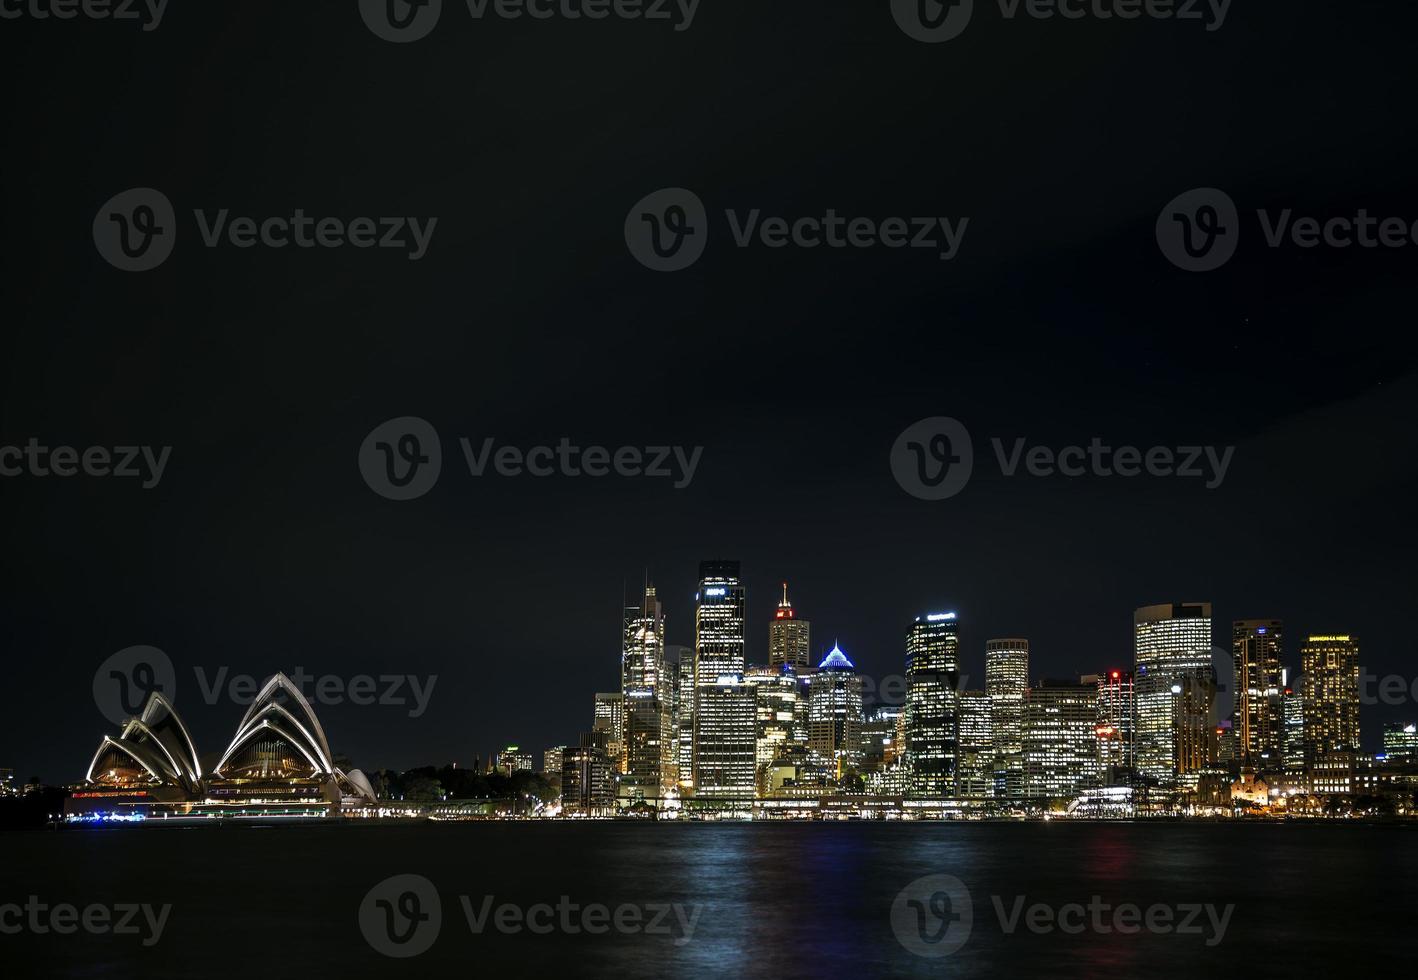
528, 320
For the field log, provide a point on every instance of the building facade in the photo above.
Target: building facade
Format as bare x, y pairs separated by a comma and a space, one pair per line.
1006, 682
1060, 744
1170, 641
932, 681
789, 636
1258, 722
1329, 666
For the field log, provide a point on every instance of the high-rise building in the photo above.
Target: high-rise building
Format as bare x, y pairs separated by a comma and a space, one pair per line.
642, 661
551, 766
1060, 743
725, 739
788, 636
975, 774
1117, 726
1292, 744
932, 682
1400, 742
1171, 641
1006, 681
586, 786
835, 712
724, 714
679, 666
610, 718
651, 747
1258, 724
1194, 729
881, 737
1329, 665
777, 712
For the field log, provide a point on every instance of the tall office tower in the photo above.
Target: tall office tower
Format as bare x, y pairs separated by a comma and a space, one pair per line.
718, 667
1171, 640
642, 659
1194, 725
777, 711
1258, 725
551, 766
651, 753
881, 737
1006, 681
1292, 746
651, 750
682, 673
975, 776
788, 641
610, 718
1117, 725
725, 739
586, 785
1400, 742
932, 682
1330, 665
835, 713
1060, 745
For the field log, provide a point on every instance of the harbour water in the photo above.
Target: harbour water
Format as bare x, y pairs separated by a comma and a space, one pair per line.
798, 900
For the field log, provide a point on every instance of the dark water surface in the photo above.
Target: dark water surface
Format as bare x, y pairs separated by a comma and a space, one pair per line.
773, 900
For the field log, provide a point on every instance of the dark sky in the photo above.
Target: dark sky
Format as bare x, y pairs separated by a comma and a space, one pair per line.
528, 320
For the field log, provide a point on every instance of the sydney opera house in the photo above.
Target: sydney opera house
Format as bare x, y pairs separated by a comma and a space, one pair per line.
278, 764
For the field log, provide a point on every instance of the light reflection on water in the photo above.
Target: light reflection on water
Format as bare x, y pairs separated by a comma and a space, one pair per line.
783, 900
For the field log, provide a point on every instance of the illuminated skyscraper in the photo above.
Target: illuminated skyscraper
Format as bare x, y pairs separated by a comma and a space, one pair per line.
1330, 668
725, 716
1292, 710
610, 718
1258, 723
1117, 726
551, 766
679, 666
1006, 681
1060, 743
651, 748
777, 711
725, 739
835, 712
932, 682
512, 759
1400, 742
586, 782
788, 636
975, 775
1171, 641
643, 644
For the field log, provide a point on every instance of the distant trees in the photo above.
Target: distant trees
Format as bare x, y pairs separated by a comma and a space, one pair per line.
430, 784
